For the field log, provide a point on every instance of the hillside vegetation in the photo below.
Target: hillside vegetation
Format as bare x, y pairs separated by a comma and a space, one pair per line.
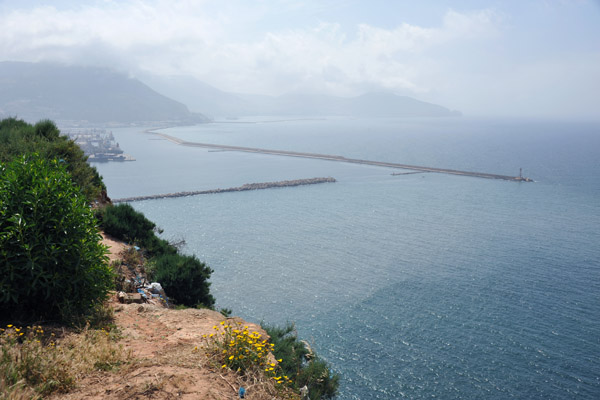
184, 277
18, 138
56, 327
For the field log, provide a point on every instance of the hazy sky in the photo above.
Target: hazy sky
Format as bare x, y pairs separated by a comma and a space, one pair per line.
497, 57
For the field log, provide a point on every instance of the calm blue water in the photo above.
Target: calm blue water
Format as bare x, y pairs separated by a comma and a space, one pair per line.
413, 286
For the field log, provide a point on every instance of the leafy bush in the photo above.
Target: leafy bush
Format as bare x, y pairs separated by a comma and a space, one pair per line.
301, 364
47, 129
125, 223
17, 137
52, 263
184, 278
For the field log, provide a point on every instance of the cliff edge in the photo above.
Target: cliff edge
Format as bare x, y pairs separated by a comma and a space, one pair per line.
165, 355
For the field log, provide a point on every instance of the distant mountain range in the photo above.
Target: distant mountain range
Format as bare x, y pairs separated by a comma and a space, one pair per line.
34, 91
80, 95
201, 97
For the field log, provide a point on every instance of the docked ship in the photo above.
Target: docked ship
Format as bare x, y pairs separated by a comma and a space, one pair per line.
98, 144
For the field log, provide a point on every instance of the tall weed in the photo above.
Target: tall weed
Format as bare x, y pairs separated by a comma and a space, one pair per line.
34, 363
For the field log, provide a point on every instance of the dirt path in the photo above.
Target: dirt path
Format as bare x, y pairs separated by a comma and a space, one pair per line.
167, 361
115, 247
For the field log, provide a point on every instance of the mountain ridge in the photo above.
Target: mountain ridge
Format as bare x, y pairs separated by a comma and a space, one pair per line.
202, 97
34, 91
91, 95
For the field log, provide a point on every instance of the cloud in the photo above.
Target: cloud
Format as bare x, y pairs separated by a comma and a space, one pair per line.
190, 37
474, 61
305, 60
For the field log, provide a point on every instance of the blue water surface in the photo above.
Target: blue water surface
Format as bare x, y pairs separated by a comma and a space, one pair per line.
411, 286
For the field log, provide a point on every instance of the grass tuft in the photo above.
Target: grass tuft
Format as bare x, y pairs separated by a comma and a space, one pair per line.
35, 363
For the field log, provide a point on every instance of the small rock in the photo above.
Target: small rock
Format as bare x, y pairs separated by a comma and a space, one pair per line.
134, 298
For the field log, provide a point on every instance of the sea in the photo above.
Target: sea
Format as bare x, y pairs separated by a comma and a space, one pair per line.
412, 286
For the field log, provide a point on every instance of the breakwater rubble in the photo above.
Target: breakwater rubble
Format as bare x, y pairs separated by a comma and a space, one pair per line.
248, 186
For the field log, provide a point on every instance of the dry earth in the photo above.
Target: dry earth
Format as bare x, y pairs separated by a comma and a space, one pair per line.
164, 362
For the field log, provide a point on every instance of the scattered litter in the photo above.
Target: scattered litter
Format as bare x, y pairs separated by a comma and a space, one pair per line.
304, 393
140, 280
155, 287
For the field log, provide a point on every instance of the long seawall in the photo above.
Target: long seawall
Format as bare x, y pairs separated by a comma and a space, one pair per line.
344, 159
248, 186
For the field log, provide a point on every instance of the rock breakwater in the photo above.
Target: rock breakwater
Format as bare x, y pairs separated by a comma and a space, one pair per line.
248, 186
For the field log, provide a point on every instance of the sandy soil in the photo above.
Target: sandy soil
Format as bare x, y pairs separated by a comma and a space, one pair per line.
115, 247
166, 359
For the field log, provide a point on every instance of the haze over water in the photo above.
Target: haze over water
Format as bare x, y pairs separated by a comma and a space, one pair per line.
411, 286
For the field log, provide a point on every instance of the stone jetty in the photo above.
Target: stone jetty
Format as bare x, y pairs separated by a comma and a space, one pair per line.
248, 186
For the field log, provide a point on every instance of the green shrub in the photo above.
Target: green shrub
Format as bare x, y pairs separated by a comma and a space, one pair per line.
84, 175
226, 312
17, 137
47, 129
125, 223
301, 364
184, 278
52, 264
